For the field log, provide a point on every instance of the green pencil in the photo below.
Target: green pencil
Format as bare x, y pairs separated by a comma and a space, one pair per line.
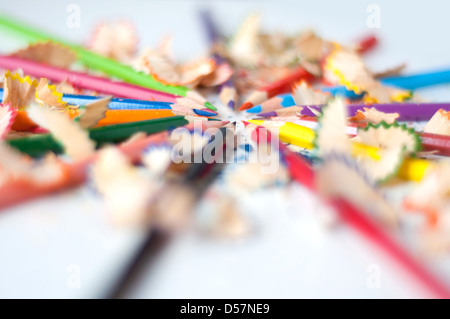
99, 62
38, 145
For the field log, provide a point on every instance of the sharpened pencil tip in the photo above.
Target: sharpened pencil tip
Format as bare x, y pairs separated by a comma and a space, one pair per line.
246, 106
255, 109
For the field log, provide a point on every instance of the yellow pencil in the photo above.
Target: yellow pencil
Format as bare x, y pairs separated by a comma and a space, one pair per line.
412, 168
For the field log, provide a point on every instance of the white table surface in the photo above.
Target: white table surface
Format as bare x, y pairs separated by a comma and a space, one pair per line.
46, 243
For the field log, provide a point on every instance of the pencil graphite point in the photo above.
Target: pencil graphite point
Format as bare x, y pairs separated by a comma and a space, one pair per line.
246, 106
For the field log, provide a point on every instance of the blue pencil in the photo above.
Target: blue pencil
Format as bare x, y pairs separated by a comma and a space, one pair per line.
124, 104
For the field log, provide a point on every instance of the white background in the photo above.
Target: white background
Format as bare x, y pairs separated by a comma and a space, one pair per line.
290, 255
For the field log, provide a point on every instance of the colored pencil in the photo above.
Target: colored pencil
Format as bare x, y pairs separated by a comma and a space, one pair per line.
73, 174
101, 63
227, 91
19, 190
85, 81
277, 102
341, 91
286, 100
367, 43
121, 111
197, 178
406, 111
360, 221
430, 142
281, 86
406, 82
290, 110
118, 104
38, 145
284, 85
115, 103
304, 137
420, 80
125, 116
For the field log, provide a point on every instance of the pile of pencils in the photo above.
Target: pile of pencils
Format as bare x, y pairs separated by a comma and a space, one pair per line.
139, 125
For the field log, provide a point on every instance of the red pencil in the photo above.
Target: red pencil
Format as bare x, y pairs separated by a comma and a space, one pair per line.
360, 221
284, 85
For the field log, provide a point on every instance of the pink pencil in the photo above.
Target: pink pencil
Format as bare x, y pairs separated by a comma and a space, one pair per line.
85, 81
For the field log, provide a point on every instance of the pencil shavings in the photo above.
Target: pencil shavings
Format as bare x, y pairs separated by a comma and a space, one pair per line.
290, 111
352, 72
157, 158
226, 219
439, 123
189, 103
243, 47
386, 135
230, 222
285, 118
277, 50
254, 175
167, 72
49, 53
394, 142
248, 80
311, 47
250, 48
7, 116
66, 87
116, 40
125, 191
14, 165
93, 112
331, 136
395, 71
75, 140
432, 195
303, 94
341, 176
372, 115
48, 95
192, 73
18, 91
220, 75
186, 143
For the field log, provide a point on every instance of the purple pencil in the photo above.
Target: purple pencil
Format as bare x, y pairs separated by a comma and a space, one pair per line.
407, 111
